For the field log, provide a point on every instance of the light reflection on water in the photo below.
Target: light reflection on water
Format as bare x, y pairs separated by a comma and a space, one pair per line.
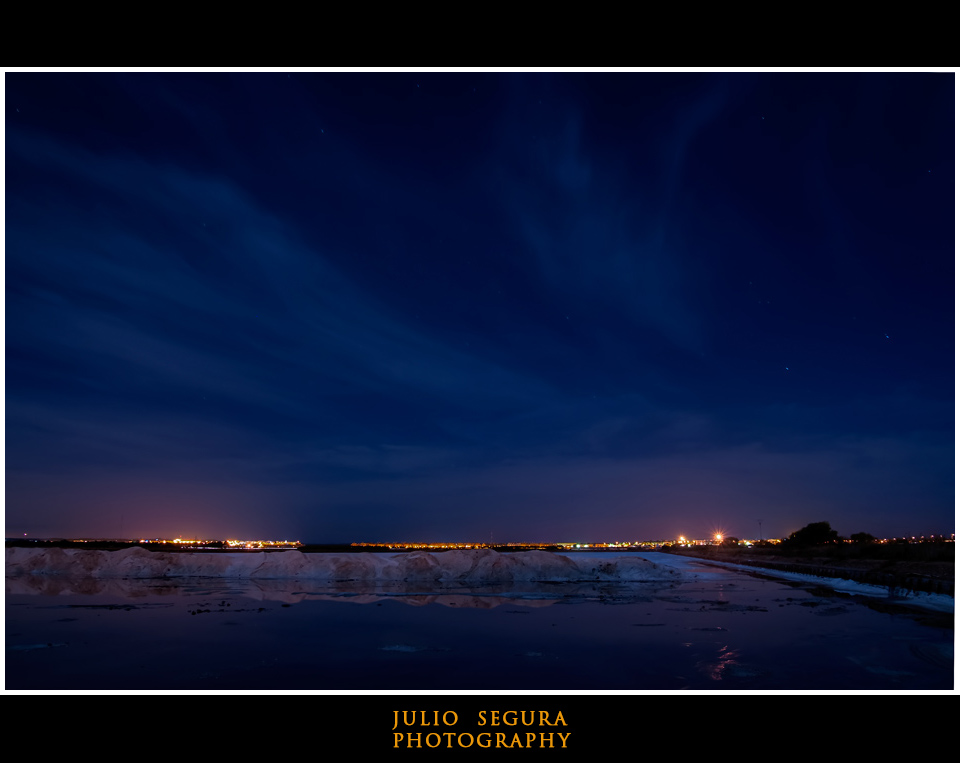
725, 630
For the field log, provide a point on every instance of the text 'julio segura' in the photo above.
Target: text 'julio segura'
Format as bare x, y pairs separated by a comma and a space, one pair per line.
450, 738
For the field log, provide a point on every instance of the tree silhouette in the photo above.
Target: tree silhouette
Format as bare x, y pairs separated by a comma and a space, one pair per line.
814, 534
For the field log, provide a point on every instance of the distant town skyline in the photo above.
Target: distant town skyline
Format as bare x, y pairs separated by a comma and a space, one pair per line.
269, 544
348, 306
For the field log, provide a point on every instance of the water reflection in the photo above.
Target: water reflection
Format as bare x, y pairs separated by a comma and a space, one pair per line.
723, 630
725, 661
416, 594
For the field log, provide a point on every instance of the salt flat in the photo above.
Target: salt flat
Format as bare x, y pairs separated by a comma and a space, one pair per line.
475, 565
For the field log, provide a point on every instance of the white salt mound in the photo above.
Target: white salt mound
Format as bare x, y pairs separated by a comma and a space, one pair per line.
476, 565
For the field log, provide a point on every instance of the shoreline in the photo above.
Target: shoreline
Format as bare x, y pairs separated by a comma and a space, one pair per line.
922, 576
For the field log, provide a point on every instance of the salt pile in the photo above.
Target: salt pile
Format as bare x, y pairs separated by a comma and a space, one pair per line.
476, 565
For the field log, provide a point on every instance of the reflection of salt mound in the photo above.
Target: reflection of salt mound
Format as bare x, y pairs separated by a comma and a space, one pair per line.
479, 565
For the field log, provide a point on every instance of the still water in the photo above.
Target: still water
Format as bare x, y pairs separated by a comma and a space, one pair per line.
726, 629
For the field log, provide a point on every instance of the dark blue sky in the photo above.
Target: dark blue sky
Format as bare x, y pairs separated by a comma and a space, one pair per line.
456, 306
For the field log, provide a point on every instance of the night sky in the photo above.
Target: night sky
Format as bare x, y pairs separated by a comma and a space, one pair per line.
479, 306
